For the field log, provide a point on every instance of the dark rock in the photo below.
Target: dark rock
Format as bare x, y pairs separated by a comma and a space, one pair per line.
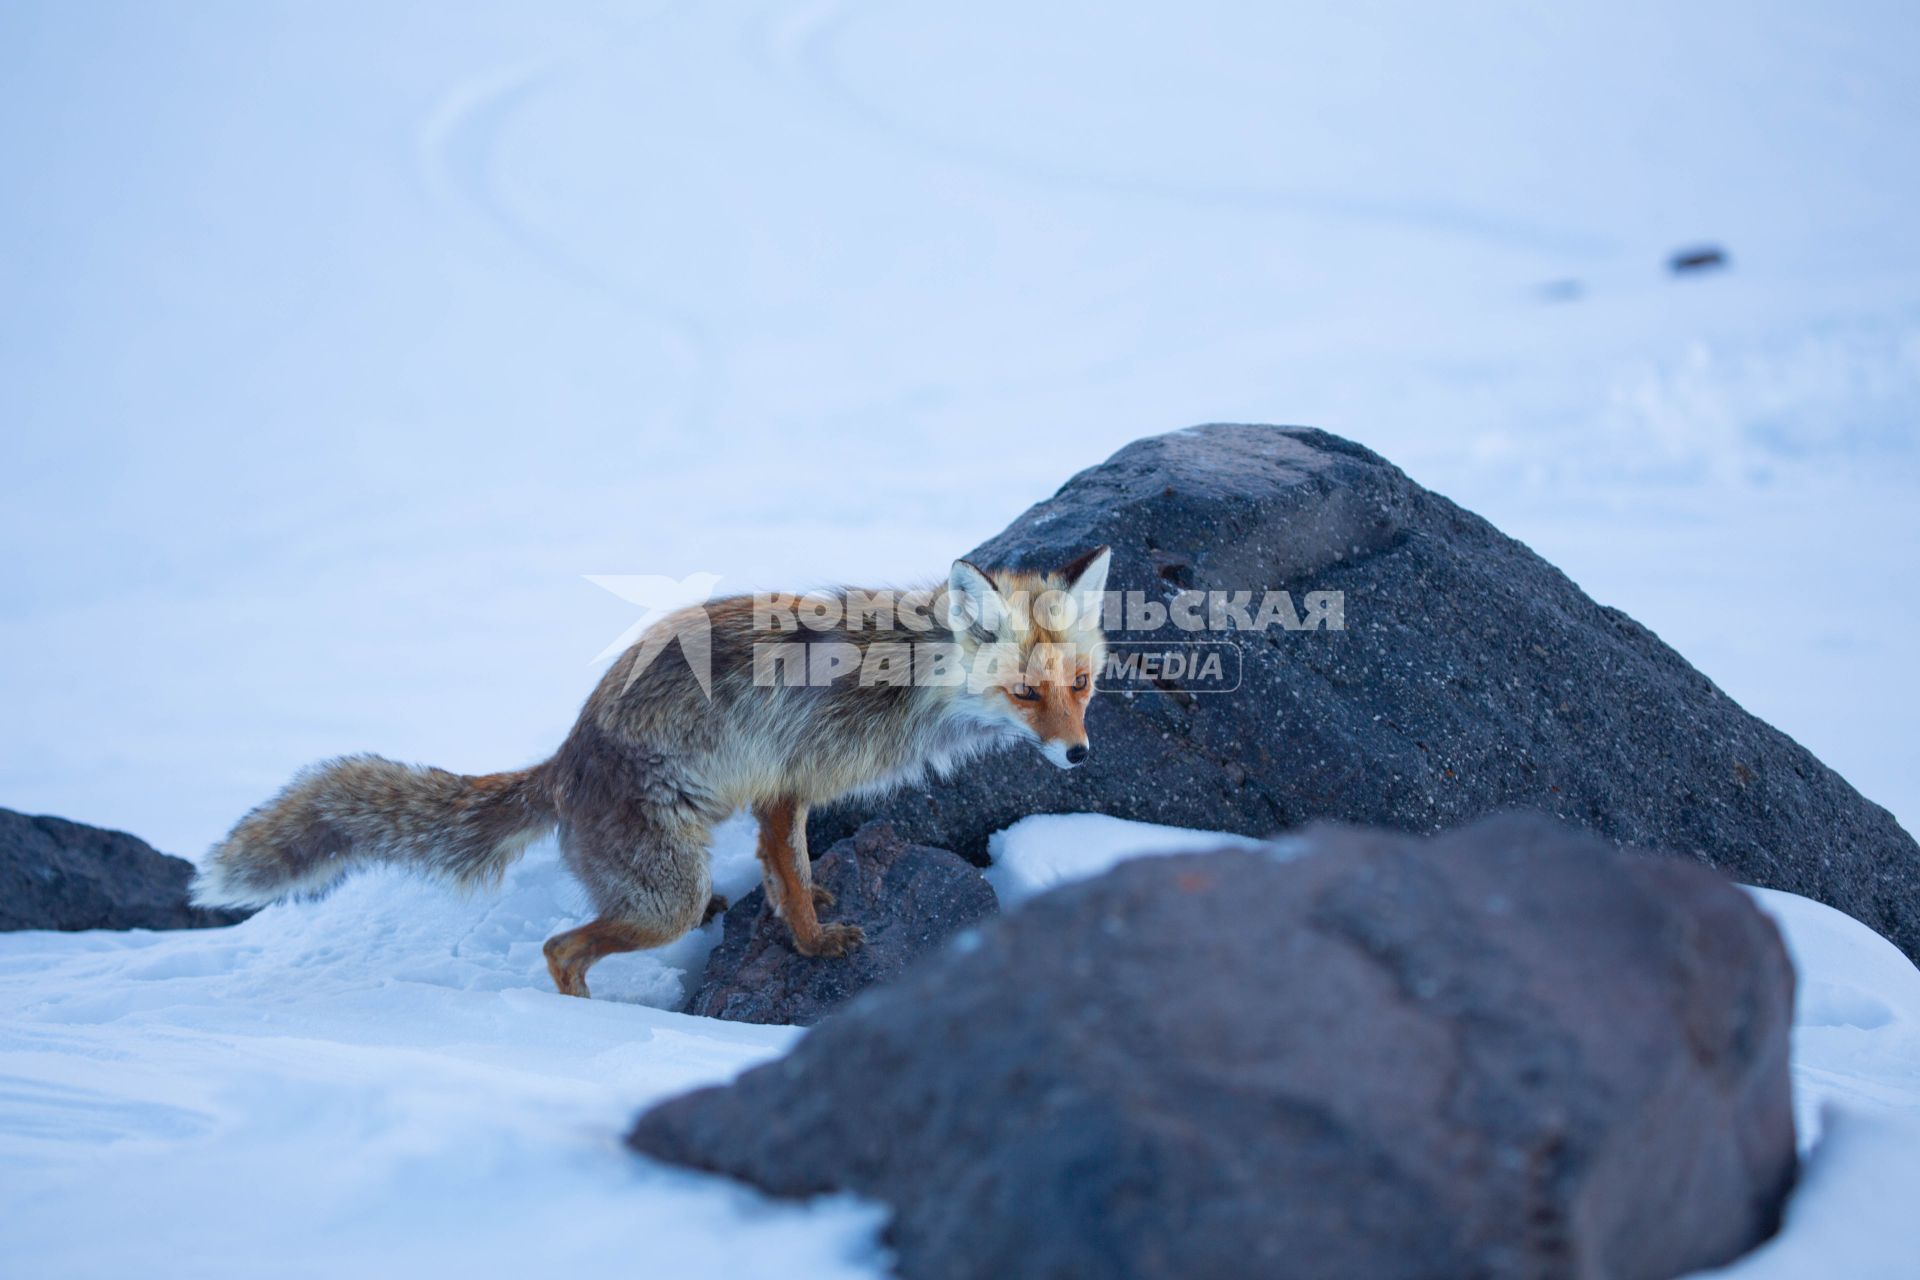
56, 874
907, 897
1506, 1052
1471, 676
1704, 257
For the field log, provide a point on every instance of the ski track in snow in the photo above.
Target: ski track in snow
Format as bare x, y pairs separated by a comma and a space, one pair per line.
679, 287
460, 145
808, 47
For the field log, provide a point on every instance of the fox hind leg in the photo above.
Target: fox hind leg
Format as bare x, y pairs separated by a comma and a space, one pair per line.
651, 884
787, 871
571, 954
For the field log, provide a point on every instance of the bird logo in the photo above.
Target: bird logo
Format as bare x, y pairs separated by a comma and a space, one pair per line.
660, 595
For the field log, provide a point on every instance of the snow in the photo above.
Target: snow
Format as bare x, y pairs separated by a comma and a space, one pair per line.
383, 1083
346, 346
344, 342
379, 1083
1048, 849
1852, 1214
1856, 1075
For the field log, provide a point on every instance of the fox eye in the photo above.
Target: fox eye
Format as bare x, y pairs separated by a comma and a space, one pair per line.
1080, 682
1026, 693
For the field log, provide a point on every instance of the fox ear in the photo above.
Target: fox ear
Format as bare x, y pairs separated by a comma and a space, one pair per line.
971, 597
1087, 576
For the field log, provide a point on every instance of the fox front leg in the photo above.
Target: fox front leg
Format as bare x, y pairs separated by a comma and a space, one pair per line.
788, 874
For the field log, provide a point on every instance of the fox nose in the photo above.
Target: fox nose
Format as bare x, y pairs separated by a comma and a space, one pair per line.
1076, 753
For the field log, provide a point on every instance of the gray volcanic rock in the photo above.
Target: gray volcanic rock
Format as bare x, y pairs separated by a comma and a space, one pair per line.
907, 897
1471, 676
56, 874
1508, 1052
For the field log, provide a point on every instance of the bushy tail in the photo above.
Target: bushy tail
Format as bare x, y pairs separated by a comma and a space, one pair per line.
347, 813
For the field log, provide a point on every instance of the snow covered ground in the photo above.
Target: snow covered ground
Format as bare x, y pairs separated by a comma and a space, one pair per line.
383, 1083
341, 343
380, 1084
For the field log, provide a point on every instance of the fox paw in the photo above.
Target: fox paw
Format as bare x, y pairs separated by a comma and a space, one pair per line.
833, 940
822, 897
715, 905
568, 978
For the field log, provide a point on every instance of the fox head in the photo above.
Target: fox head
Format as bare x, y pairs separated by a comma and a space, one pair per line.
1033, 647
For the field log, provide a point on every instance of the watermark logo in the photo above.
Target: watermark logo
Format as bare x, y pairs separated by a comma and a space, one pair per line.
1186, 667
660, 596
1184, 643
1117, 611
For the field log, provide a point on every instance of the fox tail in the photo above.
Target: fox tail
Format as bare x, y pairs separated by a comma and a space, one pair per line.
348, 813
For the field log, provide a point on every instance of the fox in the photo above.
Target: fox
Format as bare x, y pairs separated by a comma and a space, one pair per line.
666, 746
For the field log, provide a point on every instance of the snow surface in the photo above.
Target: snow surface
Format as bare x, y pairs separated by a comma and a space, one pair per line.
344, 342
383, 1083
1047, 849
1856, 1078
380, 1083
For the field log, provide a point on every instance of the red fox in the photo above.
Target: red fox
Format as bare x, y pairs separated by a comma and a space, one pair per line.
664, 749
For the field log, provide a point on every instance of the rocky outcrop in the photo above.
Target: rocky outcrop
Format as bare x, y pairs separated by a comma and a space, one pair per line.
908, 899
1469, 676
1508, 1052
56, 874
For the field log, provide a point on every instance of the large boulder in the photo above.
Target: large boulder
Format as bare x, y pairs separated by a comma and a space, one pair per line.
1470, 676
1508, 1052
56, 874
908, 898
